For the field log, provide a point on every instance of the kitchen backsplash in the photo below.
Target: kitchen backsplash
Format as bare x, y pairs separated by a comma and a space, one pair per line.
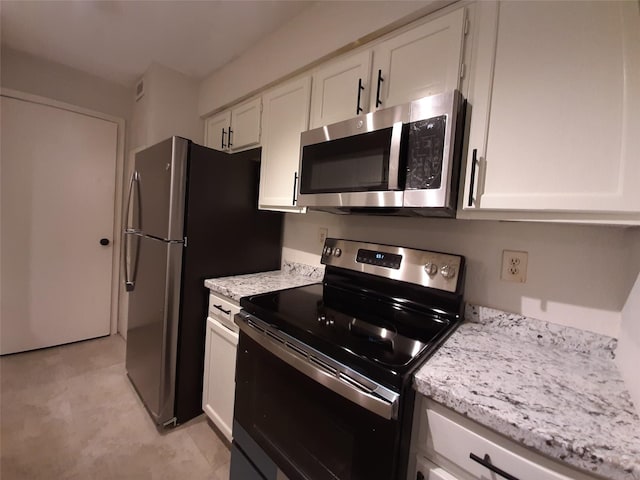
578, 275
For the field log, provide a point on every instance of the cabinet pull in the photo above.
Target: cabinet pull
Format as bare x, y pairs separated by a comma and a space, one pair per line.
229, 144
380, 80
222, 145
474, 161
486, 462
360, 88
295, 184
219, 307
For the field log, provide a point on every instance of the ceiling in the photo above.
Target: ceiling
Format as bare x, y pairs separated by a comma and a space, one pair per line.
118, 39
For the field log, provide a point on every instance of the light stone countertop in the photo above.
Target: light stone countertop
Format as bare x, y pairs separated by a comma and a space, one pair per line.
292, 275
552, 388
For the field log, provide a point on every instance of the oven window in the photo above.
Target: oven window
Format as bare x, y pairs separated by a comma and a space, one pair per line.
309, 431
353, 164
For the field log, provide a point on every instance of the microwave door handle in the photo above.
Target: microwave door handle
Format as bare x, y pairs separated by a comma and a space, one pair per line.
394, 156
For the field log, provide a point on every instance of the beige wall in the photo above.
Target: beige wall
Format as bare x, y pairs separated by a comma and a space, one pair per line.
29, 74
628, 353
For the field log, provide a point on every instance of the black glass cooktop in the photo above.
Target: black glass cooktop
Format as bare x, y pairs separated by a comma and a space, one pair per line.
379, 336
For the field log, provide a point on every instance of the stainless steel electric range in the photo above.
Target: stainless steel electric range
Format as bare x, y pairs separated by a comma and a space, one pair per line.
324, 372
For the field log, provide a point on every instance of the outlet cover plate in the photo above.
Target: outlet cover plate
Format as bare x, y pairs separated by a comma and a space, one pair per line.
514, 266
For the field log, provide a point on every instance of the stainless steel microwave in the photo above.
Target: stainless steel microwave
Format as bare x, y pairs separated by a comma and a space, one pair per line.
402, 160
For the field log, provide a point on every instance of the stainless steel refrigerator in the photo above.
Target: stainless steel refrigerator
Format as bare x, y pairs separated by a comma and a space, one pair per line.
192, 214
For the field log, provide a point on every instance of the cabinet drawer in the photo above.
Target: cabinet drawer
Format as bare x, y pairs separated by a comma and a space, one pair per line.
223, 310
456, 443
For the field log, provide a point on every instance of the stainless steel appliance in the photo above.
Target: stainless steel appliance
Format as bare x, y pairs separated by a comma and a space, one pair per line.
191, 214
324, 372
400, 160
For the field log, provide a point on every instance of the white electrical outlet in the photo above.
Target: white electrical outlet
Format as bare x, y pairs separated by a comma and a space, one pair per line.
514, 266
323, 232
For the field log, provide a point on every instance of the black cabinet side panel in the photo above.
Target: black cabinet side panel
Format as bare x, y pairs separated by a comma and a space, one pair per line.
226, 235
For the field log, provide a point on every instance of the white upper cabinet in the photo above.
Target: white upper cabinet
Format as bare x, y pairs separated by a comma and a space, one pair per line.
341, 90
555, 118
235, 129
423, 61
245, 125
216, 131
285, 116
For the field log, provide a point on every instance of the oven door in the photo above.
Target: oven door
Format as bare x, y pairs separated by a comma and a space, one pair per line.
355, 163
307, 429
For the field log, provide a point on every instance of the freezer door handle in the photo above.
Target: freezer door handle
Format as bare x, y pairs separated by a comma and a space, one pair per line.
133, 184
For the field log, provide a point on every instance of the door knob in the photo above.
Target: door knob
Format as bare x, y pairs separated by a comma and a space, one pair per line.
104, 242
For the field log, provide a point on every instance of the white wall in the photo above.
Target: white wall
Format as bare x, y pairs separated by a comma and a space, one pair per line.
168, 107
29, 74
318, 31
628, 352
577, 275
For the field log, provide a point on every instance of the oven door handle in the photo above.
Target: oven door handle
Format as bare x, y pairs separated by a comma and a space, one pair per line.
338, 382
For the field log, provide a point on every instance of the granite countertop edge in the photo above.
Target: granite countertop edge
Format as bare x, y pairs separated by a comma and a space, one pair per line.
506, 371
292, 274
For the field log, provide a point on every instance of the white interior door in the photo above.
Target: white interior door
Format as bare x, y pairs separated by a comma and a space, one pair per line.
57, 202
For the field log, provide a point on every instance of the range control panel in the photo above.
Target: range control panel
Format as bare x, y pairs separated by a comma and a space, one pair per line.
422, 267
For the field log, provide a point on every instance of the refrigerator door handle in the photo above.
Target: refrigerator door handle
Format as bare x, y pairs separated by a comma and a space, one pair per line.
129, 283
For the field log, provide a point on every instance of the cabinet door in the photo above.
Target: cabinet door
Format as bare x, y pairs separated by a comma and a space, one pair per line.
245, 125
285, 116
423, 61
556, 108
217, 131
219, 379
341, 90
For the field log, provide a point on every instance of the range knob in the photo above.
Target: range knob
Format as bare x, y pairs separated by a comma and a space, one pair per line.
431, 269
337, 252
447, 271
328, 250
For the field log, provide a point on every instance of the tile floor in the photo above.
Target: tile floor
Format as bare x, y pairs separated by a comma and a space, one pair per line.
69, 412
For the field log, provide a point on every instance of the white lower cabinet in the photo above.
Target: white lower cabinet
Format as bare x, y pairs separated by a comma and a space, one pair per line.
448, 446
220, 363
